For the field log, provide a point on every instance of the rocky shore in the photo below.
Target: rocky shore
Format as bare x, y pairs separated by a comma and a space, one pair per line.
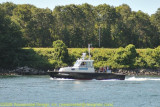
23, 71
130, 72
138, 72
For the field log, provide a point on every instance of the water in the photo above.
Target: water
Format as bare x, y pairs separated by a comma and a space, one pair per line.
43, 91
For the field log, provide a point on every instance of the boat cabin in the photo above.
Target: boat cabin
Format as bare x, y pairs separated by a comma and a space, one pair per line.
81, 65
84, 64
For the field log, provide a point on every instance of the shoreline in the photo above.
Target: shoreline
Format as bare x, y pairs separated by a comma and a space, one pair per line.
128, 72
23, 71
138, 72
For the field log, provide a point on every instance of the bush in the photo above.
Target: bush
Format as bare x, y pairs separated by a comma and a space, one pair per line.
124, 57
60, 51
128, 57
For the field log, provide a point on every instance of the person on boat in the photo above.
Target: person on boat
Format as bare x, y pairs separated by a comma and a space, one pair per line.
104, 69
101, 69
83, 64
107, 67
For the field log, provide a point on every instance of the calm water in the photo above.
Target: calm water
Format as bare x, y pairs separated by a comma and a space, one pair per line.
43, 91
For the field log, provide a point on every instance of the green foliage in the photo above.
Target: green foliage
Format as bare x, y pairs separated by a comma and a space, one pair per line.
124, 57
10, 41
78, 25
128, 57
8, 8
60, 51
39, 58
140, 62
155, 19
156, 56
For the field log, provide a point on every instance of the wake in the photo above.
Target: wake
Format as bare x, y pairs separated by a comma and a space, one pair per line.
142, 79
60, 79
126, 79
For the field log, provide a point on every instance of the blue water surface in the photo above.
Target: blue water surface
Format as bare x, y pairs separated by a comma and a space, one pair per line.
132, 92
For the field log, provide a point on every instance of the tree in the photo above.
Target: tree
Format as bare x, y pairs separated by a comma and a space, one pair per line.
88, 26
69, 25
78, 25
120, 32
22, 15
61, 51
38, 28
141, 29
124, 11
10, 41
8, 8
106, 16
155, 21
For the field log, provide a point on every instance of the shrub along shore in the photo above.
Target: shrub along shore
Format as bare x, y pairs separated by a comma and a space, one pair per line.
128, 60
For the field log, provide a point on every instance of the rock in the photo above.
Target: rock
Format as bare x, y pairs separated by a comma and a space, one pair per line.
134, 72
28, 71
142, 71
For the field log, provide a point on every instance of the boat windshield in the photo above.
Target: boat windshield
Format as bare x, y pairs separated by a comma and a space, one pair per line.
88, 64
77, 63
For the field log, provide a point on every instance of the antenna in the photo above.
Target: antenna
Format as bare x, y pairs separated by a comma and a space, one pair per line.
99, 36
89, 48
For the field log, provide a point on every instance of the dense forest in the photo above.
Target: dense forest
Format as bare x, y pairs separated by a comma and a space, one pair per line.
78, 25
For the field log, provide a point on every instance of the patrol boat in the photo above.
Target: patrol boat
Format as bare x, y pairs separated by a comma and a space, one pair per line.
83, 69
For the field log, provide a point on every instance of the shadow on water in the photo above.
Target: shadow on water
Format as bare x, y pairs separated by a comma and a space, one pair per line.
9, 76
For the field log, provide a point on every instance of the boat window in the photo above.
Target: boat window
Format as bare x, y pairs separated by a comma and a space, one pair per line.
83, 64
89, 64
86, 64
77, 63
